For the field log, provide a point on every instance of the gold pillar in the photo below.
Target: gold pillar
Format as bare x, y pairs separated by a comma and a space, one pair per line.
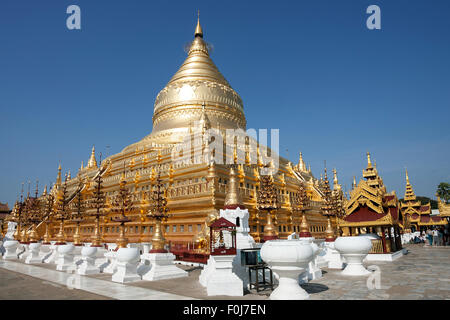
76, 236
47, 235
23, 235
122, 241
269, 229
304, 227
97, 237
329, 232
158, 240
61, 237
33, 234
17, 233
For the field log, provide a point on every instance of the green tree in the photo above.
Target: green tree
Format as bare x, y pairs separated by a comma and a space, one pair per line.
443, 191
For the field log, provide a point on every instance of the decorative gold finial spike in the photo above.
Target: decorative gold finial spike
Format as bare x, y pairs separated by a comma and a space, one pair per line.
58, 177
198, 29
407, 178
369, 163
92, 161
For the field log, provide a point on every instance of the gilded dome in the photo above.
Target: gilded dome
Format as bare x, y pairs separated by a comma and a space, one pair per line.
197, 83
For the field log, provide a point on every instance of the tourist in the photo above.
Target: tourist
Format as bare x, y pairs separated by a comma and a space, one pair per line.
440, 236
446, 235
430, 237
435, 237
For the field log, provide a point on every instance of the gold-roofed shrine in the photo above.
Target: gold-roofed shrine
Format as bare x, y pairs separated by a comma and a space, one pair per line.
373, 210
197, 97
444, 208
417, 217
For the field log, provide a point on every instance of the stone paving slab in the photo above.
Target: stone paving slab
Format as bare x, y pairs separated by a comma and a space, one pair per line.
17, 286
423, 273
100, 287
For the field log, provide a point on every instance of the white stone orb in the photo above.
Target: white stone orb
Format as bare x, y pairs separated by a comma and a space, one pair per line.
287, 259
35, 246
128, 254
354, 250
88, 251
65, 248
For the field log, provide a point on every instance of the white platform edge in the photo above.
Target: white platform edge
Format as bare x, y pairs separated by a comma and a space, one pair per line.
386, 256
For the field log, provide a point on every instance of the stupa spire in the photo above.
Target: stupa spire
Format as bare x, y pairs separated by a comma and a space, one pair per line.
336, 185
409, 192
58, 177
92, 161
301, 163
369, 162
198, 28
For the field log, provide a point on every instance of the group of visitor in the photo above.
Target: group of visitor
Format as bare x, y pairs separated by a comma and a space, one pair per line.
437, 236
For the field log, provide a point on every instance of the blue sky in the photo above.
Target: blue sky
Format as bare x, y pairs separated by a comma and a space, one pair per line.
310, 68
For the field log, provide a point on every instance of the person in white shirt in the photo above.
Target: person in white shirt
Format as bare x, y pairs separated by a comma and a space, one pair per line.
435, 237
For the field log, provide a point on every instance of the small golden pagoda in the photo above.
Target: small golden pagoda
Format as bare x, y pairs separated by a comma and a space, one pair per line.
196, 98
372, 210
417, 215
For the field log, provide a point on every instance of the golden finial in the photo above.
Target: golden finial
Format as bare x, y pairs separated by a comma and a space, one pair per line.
37, 188
354, 181
69, 176
92, 161
198, 29
45, 191
407, 178
82, 165
301, 163
58, 177
369, 163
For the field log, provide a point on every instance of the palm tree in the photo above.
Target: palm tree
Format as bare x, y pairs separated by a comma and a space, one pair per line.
443, 191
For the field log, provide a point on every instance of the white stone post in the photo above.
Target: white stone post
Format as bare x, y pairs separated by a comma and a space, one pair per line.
222, 280
354, 250
162, 267
127, 262
33, 256
65, 257
10, 249
54, 254
87, 265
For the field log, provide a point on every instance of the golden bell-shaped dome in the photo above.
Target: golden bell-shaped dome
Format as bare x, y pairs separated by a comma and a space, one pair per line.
196, 88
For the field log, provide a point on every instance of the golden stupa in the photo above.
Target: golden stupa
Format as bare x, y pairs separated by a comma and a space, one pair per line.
195, 98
